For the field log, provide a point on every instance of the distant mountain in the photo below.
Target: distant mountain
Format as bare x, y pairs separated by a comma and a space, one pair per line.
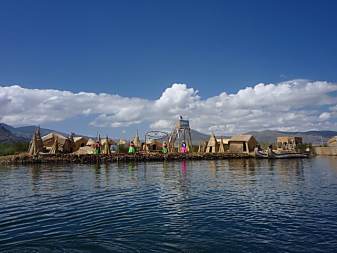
314, 137
198, 137
269, 136
7, 136
28, 131
10, 134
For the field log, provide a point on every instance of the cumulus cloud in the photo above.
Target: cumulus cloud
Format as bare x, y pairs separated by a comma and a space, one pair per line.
324, 116
292, 105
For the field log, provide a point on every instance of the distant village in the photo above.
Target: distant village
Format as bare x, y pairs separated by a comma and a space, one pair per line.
179, 140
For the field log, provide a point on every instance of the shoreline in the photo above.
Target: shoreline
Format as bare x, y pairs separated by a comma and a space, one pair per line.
22, 159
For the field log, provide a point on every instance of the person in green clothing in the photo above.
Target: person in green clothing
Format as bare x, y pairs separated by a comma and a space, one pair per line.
164, 149
132, 149
98, 148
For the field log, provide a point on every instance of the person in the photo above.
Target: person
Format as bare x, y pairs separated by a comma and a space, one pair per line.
164, 149
98, 148
132, 149
183, 148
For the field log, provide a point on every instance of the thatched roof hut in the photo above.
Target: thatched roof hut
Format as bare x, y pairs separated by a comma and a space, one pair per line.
122, 142
223, 145
65, 144
55, 148
136, 141
106, 147
202, 147
79, 141
91, 142
153, 145
110, 141
35, 147
212, 145
288, 142
85, 150
332, 142
243, 143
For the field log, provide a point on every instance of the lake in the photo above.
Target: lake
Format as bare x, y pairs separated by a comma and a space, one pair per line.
187, 206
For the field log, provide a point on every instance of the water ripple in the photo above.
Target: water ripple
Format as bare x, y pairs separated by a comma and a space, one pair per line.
201, 206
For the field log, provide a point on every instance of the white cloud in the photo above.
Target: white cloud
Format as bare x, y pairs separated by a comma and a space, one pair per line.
324, 116
161, 124
291, 105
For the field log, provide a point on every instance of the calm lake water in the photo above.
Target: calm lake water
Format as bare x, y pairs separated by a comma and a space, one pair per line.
193, 206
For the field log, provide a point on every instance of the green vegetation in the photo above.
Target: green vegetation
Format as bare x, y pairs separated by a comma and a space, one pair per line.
302, 148
122, 148
13, 148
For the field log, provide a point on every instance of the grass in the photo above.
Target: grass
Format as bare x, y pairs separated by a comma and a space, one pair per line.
13, 148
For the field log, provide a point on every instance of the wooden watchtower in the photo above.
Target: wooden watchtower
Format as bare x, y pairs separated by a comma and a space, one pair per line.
181, 133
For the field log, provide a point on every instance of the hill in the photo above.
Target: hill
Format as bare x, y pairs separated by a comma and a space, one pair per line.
7, 136
10, 134
314, 137
198, 137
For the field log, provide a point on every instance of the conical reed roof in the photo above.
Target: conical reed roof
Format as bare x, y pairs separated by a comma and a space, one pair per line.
136, 141
212, 140
55, 148
221, 146
106, 147
35, 146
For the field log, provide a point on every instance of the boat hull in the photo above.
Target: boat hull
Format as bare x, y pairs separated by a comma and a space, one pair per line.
272, 155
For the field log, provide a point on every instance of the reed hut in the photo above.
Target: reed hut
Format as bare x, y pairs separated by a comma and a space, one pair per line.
55, 148
221, 146
202, 147
39, 142
332, 142
243, 143
36, 145
153, 146
65, 144
72, 142
106, 144
122, 142
33, 147
136, 142
212, 145
90, 143
288, 143
79, 141
88, 148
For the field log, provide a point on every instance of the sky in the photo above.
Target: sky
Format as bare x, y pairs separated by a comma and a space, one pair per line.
117, 66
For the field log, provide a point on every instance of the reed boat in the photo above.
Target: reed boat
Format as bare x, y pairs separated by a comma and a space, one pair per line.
272, 155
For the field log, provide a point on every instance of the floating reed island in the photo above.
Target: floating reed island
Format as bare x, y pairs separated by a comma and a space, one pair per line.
157, 146
113, 158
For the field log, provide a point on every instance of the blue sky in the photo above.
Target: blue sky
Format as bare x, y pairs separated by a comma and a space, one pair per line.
138, 49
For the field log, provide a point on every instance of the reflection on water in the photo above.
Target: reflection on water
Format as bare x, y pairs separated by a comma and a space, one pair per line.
190, 206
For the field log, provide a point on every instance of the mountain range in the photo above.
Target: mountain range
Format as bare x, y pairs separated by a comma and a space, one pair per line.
10, 134
314, 137
269, 136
